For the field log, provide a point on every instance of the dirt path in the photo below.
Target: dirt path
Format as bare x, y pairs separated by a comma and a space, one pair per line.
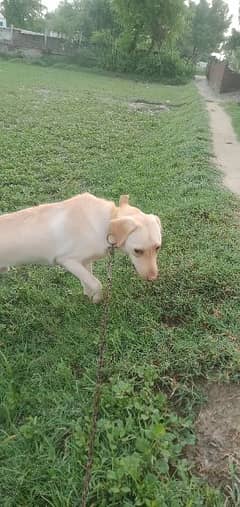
225, 142
217, 450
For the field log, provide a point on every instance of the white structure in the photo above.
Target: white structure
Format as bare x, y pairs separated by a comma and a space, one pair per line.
3, 22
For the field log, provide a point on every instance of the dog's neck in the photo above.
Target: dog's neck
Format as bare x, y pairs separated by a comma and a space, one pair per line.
113, 214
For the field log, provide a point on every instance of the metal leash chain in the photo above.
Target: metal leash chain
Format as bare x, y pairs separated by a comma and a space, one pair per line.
99, 381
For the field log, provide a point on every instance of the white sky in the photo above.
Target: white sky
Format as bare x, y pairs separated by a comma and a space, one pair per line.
233, 7
51, 4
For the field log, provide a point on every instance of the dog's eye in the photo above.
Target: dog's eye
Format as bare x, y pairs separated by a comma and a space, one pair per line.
157, 248
137, 251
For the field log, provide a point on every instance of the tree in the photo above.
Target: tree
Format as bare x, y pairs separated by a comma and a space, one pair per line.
206, 28
155, 21
81, 18
185, 39
128, 35
219, 22
66, 19
233, 41
201, 33
232, 50
23, 13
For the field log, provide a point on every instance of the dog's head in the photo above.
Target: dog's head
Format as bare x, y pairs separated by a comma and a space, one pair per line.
140, 236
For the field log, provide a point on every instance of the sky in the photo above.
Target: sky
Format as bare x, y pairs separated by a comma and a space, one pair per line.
233, 8
51, 4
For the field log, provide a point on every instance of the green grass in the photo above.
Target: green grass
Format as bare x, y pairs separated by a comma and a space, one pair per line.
66, 132
233, 109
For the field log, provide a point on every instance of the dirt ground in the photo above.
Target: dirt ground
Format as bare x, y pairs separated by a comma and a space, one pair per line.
216, 455
225, 143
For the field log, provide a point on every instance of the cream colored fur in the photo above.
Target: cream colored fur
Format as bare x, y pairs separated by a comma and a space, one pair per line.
75, 232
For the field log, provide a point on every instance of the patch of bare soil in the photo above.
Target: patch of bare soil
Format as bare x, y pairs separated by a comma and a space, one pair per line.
153, 107
218, 435
43, 91
149, 107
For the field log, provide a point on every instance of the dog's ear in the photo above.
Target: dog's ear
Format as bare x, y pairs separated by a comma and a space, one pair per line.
124, 199
119, 230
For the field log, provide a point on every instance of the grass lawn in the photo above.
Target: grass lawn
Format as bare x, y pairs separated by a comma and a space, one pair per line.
62, 133
233, 109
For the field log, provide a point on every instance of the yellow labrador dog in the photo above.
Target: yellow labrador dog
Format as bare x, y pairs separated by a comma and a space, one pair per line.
75, 232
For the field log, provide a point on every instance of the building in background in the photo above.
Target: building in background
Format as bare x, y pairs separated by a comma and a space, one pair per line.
3, 22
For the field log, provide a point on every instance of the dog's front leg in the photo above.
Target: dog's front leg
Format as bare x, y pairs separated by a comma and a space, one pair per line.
92, 286
88, 266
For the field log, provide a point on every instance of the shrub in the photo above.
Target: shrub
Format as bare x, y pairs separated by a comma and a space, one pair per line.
163, 65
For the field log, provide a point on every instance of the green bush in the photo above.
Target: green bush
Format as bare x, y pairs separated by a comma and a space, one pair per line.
111, 54
85, 57
162, 65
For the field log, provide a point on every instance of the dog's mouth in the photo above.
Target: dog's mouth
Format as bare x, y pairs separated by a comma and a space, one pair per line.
149, 277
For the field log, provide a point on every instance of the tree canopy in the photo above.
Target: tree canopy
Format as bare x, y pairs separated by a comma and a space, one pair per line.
24, 13
197, 29
206, 26
131, 34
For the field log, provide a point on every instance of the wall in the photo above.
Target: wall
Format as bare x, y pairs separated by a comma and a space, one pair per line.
16, 40
5, 34
231, 81
221, 78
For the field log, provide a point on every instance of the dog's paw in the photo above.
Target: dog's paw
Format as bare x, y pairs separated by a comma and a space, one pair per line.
97, 297
94, 294
87, 292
